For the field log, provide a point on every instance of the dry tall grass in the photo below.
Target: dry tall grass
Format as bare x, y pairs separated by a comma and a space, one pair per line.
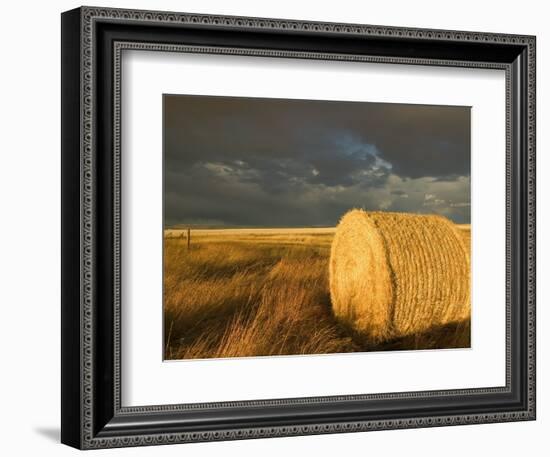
396, 274
260, 296
240, 293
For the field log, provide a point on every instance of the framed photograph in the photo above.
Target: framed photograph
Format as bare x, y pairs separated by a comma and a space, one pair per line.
273, 227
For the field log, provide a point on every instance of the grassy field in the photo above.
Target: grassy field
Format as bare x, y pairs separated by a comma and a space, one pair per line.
259, 292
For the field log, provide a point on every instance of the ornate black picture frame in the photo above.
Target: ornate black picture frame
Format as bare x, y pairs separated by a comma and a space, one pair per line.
92, 42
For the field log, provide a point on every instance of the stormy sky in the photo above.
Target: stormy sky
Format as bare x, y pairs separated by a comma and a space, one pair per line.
233, 161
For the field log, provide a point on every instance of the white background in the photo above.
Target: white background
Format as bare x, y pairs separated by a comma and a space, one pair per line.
30, 244
147, 75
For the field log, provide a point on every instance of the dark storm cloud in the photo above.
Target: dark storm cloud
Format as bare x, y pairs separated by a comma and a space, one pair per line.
243, 161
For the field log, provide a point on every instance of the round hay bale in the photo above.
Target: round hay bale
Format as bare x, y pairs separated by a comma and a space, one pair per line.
397, 274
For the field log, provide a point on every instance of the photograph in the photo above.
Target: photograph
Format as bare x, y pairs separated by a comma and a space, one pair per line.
289, 227
301, 227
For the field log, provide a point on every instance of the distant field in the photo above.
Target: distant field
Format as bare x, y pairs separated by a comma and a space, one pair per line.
257, 292
260, 235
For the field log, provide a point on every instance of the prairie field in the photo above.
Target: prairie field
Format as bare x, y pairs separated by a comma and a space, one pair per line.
263, 292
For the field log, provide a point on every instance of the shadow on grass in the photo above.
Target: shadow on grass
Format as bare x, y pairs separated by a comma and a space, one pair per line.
454, 335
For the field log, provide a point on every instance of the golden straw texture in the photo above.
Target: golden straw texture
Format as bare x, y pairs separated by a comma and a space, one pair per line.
396, 274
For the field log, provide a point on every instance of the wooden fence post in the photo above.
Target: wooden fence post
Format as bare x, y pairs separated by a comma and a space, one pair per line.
188, 239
